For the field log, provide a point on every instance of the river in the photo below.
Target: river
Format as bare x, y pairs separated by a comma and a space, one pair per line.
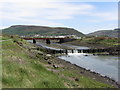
104, 65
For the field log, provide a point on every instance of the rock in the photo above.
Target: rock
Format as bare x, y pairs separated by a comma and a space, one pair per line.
76, 79
74, 85
81, 72
86, 55
46, 58
40, 53
49, 62
48, 55
55, 66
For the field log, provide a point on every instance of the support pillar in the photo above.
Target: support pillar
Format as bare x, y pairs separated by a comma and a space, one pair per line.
34, 41
47, 41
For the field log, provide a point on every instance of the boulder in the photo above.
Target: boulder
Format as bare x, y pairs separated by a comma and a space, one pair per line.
49, 62
55, 66
76, 79
48, 55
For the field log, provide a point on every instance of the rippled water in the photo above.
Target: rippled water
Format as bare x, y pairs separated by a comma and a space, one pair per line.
105, 65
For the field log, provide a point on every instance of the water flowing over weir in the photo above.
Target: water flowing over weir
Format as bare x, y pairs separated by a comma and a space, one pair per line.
105, 65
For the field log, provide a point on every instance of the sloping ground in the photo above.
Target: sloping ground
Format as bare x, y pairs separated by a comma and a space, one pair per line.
109, 33
33, 30
26, 68
21, 70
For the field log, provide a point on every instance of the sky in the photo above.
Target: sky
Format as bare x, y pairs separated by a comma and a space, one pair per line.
85, 17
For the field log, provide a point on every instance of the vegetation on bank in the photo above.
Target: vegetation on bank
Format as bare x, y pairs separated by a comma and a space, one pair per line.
24, 68
97, 41
107, 41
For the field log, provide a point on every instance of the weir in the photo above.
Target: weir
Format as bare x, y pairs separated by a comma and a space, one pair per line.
66, 51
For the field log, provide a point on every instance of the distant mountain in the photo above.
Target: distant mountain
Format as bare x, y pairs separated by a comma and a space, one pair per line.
41, 30
109, 33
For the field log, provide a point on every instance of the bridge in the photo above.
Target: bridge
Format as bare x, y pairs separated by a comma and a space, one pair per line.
61, 40
110, 50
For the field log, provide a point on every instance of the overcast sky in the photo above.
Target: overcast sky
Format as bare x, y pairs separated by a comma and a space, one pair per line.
86, 17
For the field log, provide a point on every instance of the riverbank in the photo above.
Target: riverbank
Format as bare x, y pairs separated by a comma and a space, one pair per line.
74, 71
78, 43
79, 70
86, 72
96, 42
111, 44
27, 65
94, 73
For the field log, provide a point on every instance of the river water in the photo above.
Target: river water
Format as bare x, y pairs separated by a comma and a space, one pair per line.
104, 65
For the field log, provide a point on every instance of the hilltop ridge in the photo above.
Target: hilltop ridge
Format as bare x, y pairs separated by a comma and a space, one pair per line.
41, 30
109, 33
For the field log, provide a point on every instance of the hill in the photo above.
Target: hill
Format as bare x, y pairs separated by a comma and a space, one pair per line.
109, 33
41, 30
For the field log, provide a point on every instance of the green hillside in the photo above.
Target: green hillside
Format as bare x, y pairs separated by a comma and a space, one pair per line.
109, 33
32, 30
21, 70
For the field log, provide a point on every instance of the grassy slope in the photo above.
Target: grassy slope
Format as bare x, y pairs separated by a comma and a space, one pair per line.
20, 69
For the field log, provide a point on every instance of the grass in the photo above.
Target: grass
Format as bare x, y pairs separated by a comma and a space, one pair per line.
89, 83
97, 41
107, 41
84, 82
21, 69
